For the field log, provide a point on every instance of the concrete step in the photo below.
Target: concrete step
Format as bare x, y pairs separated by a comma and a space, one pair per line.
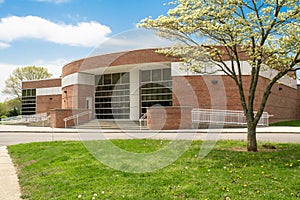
117, 125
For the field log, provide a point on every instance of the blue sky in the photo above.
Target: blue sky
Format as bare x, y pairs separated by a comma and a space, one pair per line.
51, 33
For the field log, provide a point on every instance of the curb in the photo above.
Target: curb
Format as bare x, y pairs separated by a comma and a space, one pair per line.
9, 183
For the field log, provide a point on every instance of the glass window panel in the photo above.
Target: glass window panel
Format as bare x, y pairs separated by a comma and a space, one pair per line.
167, 74
125, 78
159, 91
29, 92
115, 78
113, 97
146, 77
107, 79
156, 75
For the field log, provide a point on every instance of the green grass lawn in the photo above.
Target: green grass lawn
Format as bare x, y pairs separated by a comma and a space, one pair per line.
66, 170
287, 123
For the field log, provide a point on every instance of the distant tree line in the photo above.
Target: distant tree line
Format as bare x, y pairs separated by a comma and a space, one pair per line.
10, 108
13, 88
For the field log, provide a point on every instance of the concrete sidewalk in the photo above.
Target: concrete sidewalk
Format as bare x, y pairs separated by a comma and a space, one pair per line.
9, 184
26, 129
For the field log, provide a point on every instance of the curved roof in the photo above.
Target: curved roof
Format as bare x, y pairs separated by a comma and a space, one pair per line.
115, 59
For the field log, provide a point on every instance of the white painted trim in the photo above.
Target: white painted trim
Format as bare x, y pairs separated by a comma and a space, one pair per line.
134, 94
78, 79
48, 91
178, 70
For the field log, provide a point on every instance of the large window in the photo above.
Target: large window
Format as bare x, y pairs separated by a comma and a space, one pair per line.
156, 88
28, 101
112, 99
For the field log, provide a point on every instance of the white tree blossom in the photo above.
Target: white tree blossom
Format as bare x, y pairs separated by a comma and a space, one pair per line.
265, 32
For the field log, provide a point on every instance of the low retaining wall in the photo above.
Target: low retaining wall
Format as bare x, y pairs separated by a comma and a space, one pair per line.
169, 118
57, 117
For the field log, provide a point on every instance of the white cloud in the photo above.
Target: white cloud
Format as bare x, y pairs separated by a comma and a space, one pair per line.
53, 1
1, 1
86, 34
4, 45
132, 39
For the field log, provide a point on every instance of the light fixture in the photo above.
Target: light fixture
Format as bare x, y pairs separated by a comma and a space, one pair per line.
214, 82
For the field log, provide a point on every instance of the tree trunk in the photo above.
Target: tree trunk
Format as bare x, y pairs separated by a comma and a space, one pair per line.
251, 138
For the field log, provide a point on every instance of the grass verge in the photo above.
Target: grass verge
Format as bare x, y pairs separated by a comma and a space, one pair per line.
287, 123
66, 170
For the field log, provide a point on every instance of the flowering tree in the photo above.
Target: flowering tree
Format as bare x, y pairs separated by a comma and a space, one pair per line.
266, 32
14, 82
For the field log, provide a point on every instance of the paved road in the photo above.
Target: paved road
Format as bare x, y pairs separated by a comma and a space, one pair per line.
17, 135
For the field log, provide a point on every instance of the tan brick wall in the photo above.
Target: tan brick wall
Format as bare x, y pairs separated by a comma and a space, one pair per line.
47, 83
46, 103
169, 118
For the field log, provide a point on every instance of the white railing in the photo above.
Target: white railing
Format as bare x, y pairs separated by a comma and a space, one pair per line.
143, 118
35, 118
26, 118
77, 116
231, 117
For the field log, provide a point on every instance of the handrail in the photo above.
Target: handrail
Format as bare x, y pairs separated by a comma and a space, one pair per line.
225, 117
77, 117
143, 117
26, 118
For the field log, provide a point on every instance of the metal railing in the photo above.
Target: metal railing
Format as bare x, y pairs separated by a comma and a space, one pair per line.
77, 116
143, 118
25, 119
230, 117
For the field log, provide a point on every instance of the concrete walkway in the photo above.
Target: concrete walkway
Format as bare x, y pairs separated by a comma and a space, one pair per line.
9, 184
26, 129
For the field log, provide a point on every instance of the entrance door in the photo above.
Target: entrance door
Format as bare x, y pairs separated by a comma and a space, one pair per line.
89, 101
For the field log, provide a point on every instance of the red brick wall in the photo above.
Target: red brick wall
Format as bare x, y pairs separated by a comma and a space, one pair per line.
46, 103
124, 58
84, 92
205, 92
47, 83
67, 96
283, 103
114, 59
57, 117
169, 118
74, 96
193, 91
72, 67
